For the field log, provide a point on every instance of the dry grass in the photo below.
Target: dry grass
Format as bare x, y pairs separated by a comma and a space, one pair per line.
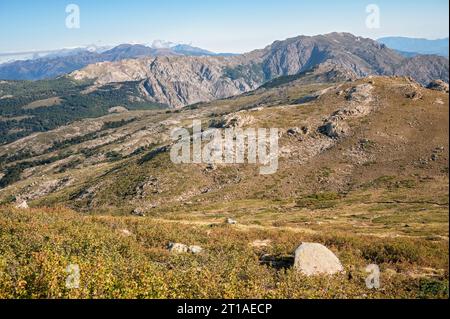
37, 245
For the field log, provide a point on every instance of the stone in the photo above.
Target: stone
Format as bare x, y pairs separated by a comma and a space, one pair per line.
118, 109
125, 232
293, 131
178, 248
335, 129
195, 250
315, 259
138, 212
231, 221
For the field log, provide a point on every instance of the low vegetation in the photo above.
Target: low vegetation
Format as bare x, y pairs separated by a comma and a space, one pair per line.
126, 257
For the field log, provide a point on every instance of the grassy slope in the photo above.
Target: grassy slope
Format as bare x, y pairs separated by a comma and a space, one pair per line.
391, 209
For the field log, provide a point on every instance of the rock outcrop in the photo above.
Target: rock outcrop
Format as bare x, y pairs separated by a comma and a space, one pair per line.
315, 259
438, 85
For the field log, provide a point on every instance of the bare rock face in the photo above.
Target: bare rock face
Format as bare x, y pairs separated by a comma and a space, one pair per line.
438, 85
360, 104
175, 81
118, 109
315, 259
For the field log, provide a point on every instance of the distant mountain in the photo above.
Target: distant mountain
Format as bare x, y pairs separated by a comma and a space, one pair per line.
414, 46
179, 81
56, 63
8, 57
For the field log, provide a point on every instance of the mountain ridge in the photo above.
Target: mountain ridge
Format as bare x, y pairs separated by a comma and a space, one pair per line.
227, 76
59, 63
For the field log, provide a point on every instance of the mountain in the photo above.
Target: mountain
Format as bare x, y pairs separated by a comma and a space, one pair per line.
9, 57
48, 67
179, 81
57, 63
414, 46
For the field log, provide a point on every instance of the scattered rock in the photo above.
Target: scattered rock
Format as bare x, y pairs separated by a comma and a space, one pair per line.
44, 188
138, 212
293, 131
118, 109
21, 204
297, 131
315, 259
360, 93
439, 101
178, 248
414, 95
438, 85
335, 129
125, 232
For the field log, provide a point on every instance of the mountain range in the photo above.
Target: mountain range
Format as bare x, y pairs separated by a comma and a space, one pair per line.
57, 63
142, 77
179, 81
87, 179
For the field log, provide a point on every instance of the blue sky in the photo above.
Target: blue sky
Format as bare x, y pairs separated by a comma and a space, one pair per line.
217, 25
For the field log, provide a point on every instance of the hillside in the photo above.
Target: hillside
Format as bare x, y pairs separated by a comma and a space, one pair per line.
363, 169
29, 107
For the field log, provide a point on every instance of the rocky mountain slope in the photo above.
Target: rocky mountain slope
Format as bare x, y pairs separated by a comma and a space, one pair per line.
180, 81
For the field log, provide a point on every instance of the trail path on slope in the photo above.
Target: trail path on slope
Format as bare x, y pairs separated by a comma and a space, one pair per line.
245, 227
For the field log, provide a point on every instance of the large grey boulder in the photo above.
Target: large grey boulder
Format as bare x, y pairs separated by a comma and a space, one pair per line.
315, 259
